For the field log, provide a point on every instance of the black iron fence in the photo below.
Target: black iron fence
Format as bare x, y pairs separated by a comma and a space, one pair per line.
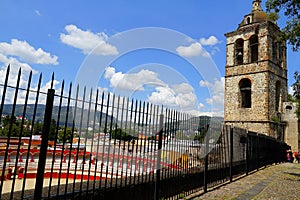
70, 143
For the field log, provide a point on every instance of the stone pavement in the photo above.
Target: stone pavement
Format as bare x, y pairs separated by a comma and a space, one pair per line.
276, 182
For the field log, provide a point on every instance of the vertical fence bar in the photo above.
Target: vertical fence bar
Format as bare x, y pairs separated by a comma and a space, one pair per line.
148, 120
143, 143
1, 110
231, 155
95, 158
135, 144
138, 144
31, 133
98, 142
43, 150
206, 159
257, 152
21, 134
104, 137
168, 121
92, 155
173, 134
177, 147
119, 130
153, 143
124, 147
159, 149
110, 138
146, 146
64, 134
247, 153
265, 152
79, 142
114, 144
4, 93
10, 128
170, 148
104, 148
72, 135
84, 156
55, 142
130, 146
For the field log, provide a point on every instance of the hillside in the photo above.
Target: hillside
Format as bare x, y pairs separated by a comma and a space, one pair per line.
39, 116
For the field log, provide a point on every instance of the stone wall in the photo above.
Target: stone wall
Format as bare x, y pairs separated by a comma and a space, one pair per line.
265, 74
292, 129
259, 94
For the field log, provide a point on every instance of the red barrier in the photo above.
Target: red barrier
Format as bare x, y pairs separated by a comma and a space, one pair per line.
61, 175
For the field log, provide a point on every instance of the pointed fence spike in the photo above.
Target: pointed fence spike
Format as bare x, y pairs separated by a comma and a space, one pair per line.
52, 80
40, 79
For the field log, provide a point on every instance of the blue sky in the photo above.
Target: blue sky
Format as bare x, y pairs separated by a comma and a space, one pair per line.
81, 42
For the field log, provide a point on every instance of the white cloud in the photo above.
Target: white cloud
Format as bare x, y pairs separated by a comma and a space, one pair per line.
14, 70
178, 95
185, 96
183, 88
163, 96
214, 50
20, 55
27, 53
211, 41
216, 87
181, 96
133, 81
37, 12
195, 49
186, 100
109, 72
87, 41
216, 90
201, 106
12, 81
15, 64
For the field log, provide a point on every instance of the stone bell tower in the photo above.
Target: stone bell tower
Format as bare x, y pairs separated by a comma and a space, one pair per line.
256, 75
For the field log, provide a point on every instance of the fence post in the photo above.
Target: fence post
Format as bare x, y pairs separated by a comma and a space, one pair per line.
231, 155
157, 182
206, 159
257, 152
247, 154
44, 145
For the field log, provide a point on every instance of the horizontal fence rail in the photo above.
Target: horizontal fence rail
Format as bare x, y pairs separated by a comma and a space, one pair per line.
73, 143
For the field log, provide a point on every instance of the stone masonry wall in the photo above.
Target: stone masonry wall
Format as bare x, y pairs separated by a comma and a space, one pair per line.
264, 74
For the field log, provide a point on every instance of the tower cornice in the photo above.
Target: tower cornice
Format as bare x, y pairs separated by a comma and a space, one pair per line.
252, 27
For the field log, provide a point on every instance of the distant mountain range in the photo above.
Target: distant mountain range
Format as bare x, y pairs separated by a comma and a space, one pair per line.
40, 111
86, 121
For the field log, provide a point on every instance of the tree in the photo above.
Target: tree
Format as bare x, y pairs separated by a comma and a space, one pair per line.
119, 134
296, 85
65, 136
10, 126
37, 128
296, 94
16, 127
52, 130
295, 97
291, 31
6, 120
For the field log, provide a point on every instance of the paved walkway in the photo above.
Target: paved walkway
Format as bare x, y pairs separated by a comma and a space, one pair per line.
276, 182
